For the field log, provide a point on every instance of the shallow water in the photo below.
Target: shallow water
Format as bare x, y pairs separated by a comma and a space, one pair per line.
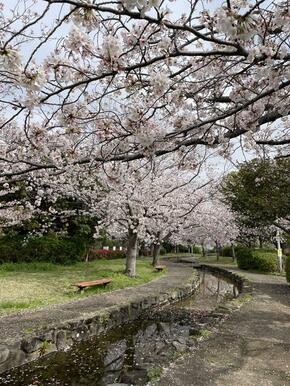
130, 354
213, 290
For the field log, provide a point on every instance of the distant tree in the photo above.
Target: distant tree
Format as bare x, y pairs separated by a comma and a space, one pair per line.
147, 205
27, 210
259, 193
211, 222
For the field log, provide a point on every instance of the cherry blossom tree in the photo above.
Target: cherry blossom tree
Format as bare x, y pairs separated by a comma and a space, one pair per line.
50, 201
212, 221
123, 209
219, 224
87, 82
147, 204
177, 206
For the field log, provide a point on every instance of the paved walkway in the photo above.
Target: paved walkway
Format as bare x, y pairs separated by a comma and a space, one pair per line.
251, 348
23, 324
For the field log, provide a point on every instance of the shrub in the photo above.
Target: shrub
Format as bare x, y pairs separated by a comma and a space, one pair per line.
227, 251
266, 261
182, 248
9, 249
163, 251
54, 249
169, 248
263, 261
287, 268
195, 249
244, 257
95, 254
46, 249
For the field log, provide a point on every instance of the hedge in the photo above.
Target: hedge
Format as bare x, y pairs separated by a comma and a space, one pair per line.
196, 249
260, 260
46, 249
287, 268
95, 254
227, 251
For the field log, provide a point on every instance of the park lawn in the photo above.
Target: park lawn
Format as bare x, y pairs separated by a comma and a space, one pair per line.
183, 254
212, 259
34, 285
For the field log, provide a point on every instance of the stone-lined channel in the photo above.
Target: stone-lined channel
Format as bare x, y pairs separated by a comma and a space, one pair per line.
135, 353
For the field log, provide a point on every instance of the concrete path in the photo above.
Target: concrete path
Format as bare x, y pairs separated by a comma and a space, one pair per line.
251, 348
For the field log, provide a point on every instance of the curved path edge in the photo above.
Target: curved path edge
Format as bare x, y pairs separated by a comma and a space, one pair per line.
250, 348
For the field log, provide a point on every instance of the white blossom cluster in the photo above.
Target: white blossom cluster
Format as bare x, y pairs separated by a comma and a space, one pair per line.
87, 18
102, 83
160, 83
233, 25
142, 5
111, 49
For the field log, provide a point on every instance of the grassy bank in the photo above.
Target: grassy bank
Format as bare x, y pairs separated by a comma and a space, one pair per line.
212, 259
33, 285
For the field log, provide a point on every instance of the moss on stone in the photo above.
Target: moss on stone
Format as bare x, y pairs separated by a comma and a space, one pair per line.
154, 373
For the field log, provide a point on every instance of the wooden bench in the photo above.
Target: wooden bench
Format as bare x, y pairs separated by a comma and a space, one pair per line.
159, 268
85, 284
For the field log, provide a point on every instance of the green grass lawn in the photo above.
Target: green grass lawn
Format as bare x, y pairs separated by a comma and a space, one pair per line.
33, 285
212, 259
184, 254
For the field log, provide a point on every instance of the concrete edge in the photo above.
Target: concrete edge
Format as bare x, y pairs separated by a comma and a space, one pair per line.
211, 321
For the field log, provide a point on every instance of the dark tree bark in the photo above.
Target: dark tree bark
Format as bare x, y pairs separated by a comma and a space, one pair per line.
218, 250
131, 254
156, 252
203, 250
233, 251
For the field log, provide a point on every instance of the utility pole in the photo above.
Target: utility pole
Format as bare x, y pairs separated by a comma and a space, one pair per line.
279, 250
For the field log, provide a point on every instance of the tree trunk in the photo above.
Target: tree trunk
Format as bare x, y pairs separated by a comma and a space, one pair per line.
233, 252
218, 250
203, 250
87, 252
260, 242
131, 254
156, 251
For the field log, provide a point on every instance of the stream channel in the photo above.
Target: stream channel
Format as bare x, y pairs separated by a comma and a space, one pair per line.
132, 354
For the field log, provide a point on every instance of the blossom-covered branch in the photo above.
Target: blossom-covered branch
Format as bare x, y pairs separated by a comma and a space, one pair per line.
82, 82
